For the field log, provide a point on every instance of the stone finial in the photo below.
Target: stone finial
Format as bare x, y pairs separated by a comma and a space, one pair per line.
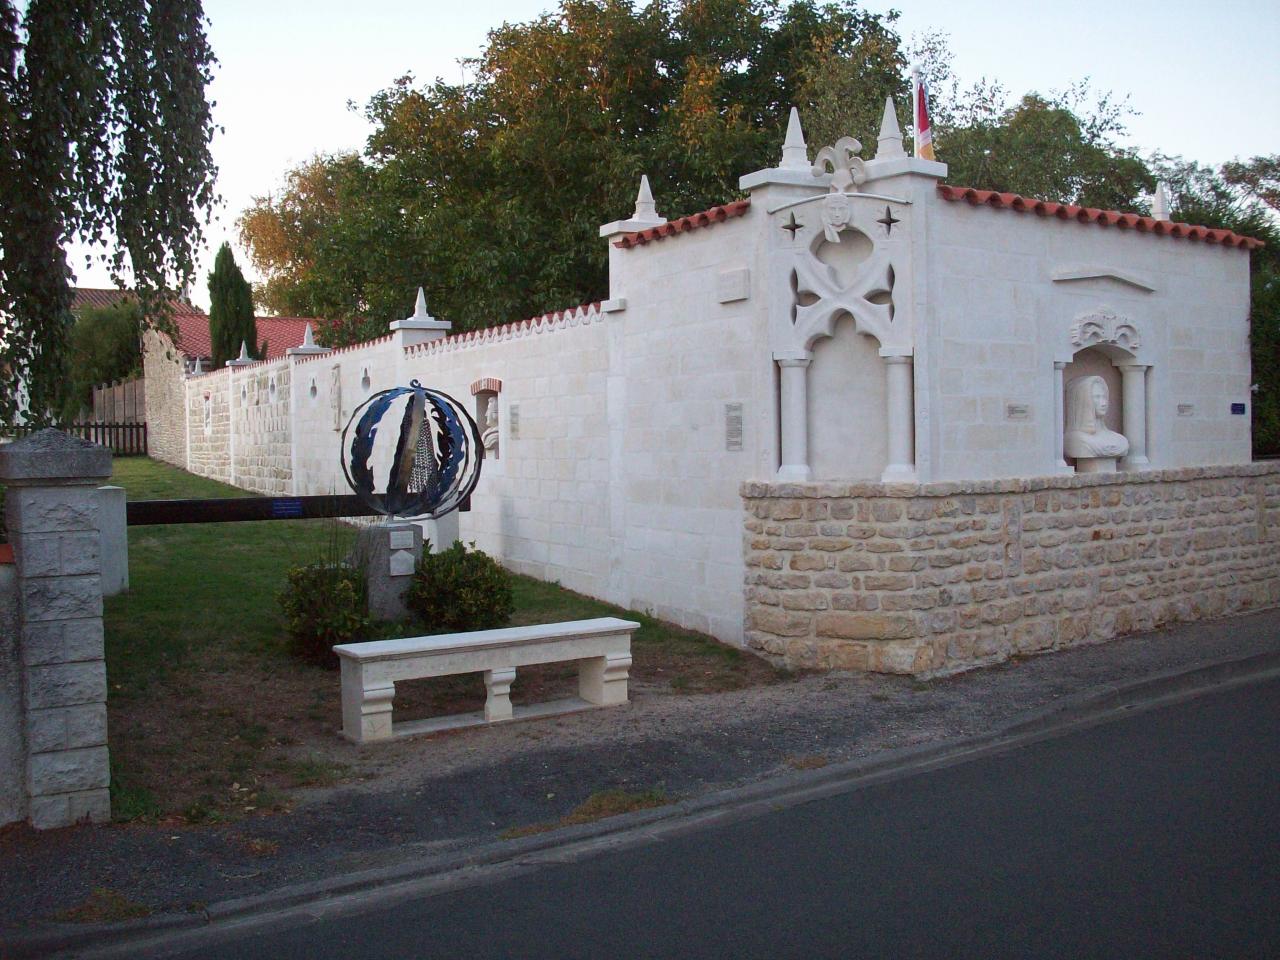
646, 209
196, 368
889, 143
418, 328
795, 153
308, 345
644, 216
244, 359
1160, 202
420, 308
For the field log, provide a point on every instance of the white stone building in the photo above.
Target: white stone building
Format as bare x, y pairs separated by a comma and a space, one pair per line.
855, 330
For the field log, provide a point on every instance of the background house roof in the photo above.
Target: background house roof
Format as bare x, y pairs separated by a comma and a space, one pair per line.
110, 296
280, 333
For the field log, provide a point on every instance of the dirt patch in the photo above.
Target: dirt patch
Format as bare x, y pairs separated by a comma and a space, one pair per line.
237, 733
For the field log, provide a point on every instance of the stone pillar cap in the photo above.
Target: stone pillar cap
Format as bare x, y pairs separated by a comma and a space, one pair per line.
52, 455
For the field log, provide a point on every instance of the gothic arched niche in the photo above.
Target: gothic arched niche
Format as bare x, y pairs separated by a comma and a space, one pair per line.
846, 406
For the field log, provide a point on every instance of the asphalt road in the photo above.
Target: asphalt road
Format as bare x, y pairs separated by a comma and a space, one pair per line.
1153, 836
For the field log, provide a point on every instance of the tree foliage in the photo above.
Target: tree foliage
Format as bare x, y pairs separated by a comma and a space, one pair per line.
104, 137
231, 321
1063, 146
489, 193
104, 345
1225, 199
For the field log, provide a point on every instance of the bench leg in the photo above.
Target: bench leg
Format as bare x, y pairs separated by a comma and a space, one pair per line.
603, 680
497, 706
366, 710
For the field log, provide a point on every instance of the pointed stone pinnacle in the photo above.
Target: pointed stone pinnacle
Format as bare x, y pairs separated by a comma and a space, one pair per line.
420, 307
889, 143
196, 369
1160, 202
646, 209
308, 338
795, 154
244, 353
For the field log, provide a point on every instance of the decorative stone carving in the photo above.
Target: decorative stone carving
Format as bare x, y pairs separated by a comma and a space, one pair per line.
1096, 328
489, 438
1087, 437
848, 172
847, 169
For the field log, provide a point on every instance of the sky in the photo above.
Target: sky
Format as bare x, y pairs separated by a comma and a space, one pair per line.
1205, 79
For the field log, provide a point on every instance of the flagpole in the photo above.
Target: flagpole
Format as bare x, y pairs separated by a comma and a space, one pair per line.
915, 110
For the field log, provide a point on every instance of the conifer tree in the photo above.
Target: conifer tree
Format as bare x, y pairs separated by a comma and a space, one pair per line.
230, 310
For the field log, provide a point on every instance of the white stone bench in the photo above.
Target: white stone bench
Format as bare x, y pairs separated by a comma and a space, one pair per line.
370, 671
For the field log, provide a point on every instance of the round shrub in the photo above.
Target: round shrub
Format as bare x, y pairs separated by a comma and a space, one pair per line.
460, 589
324, 605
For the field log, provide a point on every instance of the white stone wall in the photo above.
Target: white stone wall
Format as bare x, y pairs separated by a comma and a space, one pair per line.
998, 319
209, 425
622, 481
260, 408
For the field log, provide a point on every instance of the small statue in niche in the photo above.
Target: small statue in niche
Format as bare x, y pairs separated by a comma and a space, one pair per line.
1087, 436
489, 438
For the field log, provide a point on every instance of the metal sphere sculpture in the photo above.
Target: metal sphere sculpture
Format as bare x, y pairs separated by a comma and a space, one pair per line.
437, 457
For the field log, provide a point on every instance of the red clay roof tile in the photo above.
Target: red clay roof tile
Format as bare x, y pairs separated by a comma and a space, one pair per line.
694, 221
1103, 218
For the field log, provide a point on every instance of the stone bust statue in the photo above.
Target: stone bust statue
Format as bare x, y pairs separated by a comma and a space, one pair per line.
489, 437
1087, 436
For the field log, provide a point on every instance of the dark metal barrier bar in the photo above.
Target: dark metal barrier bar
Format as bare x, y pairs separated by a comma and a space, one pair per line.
229, 509
141, 513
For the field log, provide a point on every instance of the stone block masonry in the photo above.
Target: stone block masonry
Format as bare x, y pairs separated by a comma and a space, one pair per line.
53, 716
933, 578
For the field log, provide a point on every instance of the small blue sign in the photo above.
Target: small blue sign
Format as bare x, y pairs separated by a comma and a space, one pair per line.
1237, 409
286, 509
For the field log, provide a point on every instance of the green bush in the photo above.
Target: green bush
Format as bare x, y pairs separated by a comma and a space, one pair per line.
324, 604
460, 589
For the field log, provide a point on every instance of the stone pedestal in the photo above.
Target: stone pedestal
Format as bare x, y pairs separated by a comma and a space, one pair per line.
1095, 464
52, 516
442, 531
388, 554
113, 534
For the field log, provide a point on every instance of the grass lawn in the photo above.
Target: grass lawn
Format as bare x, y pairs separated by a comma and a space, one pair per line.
211, 718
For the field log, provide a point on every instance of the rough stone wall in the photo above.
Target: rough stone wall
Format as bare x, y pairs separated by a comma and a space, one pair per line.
260, 411
905, 578
209, 425
166, 423
13, 749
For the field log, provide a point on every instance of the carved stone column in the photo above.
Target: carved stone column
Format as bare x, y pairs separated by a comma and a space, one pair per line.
795, 419
1059, 416
900, 412
1133, 378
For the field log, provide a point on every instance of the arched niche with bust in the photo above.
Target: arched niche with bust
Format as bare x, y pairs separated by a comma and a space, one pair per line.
1088, 439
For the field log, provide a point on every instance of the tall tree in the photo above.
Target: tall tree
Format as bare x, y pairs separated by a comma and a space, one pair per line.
104, 345
489, 193
231, 321
104, 136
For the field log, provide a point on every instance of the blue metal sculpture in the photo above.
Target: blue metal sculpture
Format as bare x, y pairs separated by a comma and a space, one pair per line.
437, 458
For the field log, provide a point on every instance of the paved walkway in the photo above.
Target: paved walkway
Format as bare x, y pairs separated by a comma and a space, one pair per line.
491, 779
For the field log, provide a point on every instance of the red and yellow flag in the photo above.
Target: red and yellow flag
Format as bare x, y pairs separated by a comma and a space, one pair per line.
920, 123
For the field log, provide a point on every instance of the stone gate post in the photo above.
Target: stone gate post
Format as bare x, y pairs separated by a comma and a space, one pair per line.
51, 510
